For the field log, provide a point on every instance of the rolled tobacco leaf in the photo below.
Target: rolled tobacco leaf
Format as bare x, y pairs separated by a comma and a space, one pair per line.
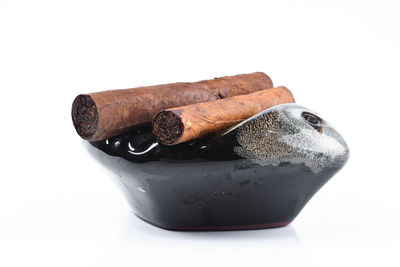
97, 116
182, 124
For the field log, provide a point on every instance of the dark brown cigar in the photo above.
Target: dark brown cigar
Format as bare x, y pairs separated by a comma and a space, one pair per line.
100, 115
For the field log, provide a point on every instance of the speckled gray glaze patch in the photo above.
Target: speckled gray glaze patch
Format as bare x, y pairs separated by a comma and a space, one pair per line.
290, 133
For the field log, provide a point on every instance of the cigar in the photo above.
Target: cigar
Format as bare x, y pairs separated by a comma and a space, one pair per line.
182, 124
97, 116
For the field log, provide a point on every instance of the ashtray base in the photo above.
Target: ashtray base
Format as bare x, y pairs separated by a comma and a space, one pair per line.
219, 227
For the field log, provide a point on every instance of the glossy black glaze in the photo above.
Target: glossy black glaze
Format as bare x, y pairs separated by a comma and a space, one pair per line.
205, 185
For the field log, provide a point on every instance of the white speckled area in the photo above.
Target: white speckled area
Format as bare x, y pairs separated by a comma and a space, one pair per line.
283, 134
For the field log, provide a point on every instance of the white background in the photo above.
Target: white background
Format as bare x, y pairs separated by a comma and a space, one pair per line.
58, 207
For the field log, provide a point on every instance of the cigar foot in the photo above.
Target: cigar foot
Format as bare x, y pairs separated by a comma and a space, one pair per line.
84, 116
168, 127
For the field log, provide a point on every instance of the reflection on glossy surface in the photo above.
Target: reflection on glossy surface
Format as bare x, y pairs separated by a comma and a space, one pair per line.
290, 133
259, 174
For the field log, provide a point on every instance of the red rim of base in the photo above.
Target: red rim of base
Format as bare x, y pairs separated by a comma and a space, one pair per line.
218, 227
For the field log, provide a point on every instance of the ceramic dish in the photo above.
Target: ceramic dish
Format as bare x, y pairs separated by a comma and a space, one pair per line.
259, 174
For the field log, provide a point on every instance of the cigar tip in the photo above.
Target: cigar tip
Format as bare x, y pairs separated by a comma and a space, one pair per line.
84, 116
289, 93
167, 127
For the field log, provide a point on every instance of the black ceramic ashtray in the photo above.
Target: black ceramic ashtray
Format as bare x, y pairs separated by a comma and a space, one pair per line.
258, 174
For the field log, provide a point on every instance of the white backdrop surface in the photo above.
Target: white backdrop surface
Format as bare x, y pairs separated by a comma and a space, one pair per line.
59, 208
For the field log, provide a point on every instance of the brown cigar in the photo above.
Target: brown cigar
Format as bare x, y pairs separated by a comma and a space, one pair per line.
100, 115
182, 124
